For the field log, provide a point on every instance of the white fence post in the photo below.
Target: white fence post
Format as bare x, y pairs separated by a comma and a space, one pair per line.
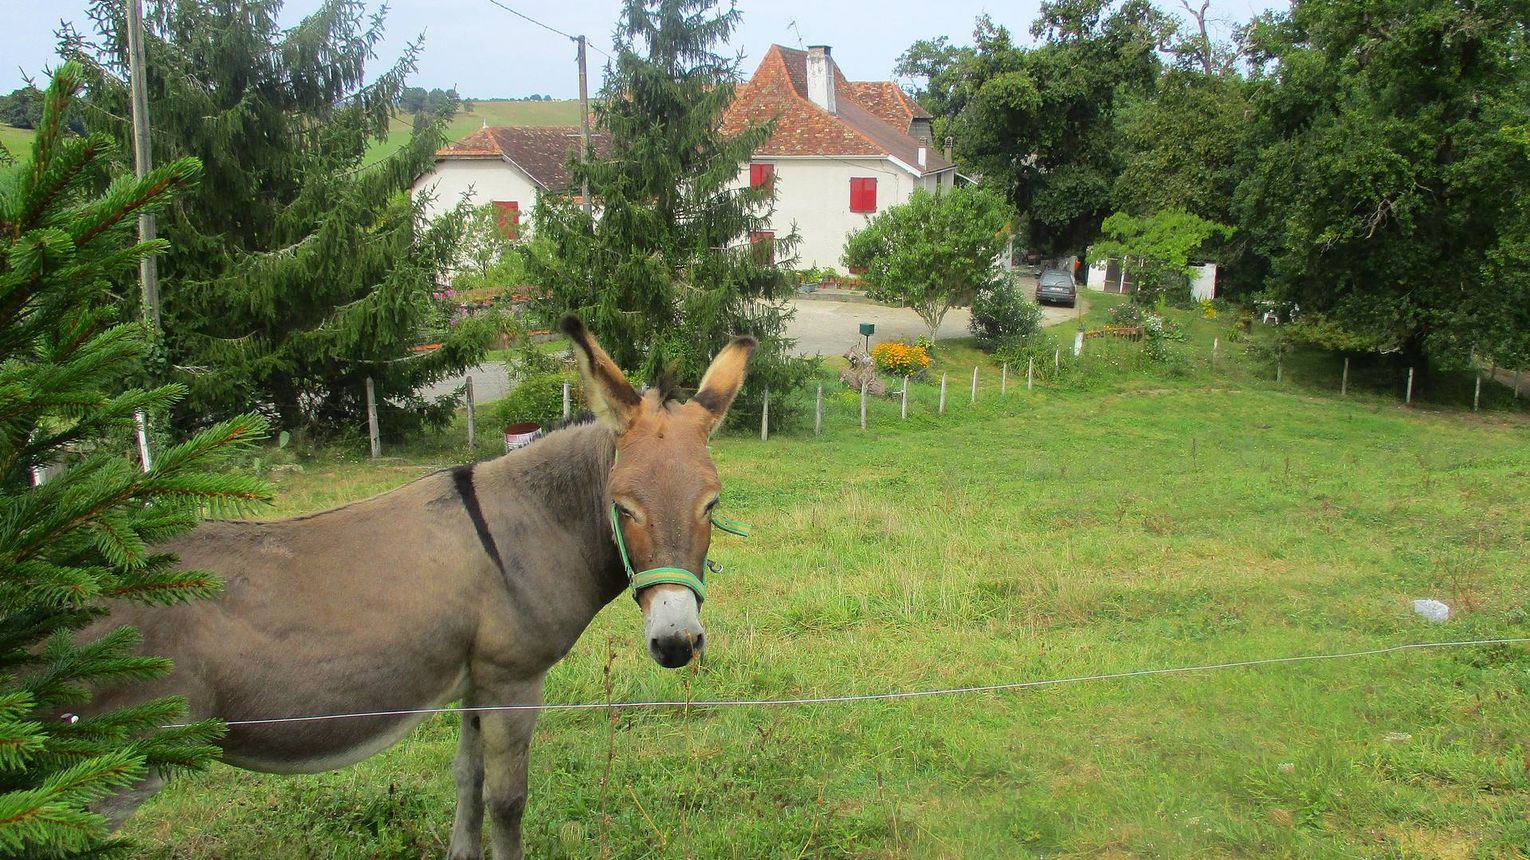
818, 412
1057, 361
142, 422
372, 432
974, 384
1078, 343
471, 418
863, 404
1004, 378
1030, 371
1477, 392
1408, 396
567, 405
1215, 342
942, 394
904, 415
765, 417
1344, 380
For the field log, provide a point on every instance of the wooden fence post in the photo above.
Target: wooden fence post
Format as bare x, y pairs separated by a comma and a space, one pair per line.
1344, 381
471, 417
863, 404
1004, 378
1057, 361
765, 417
942, 394
1477, 392
1408, 395
1280, 367
372, 431
904, 416
818, 412
567, 405
1215, 342
1030, 371
974, 384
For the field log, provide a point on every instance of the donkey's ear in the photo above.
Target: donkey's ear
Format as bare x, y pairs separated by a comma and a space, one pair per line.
723, 380
611, 396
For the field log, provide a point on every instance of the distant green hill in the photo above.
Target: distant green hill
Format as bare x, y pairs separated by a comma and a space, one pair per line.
19, 140
483, 112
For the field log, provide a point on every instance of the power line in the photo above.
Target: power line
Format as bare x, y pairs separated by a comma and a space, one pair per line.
547, 27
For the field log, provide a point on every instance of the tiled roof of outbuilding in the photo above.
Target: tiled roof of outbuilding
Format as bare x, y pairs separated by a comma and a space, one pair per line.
541, 153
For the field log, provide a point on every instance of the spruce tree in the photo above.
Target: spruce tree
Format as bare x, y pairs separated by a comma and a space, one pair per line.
666, 272
297, 267
72, 541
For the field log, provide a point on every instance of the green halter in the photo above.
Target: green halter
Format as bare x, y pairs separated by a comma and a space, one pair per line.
640, 580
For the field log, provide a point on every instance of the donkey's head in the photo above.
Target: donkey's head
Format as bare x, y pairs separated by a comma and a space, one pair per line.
663, 487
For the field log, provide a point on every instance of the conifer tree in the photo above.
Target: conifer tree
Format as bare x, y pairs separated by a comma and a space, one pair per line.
297, 267
667, 272
73, 541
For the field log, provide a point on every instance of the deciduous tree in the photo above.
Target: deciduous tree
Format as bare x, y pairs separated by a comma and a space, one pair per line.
931, 251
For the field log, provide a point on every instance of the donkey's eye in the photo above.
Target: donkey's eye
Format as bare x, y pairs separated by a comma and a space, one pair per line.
622, 510
712, 505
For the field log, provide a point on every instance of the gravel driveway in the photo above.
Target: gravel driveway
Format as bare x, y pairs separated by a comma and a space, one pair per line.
820, 327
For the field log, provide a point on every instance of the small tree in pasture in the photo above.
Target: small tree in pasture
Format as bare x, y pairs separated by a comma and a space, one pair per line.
929, 252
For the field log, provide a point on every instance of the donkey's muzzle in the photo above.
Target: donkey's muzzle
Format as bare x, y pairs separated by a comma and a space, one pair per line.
673, 652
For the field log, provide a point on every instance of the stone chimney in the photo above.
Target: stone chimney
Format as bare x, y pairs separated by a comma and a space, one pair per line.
950, 145
924, 153
820, 77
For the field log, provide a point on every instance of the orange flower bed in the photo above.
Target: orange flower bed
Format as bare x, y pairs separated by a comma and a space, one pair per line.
900, 359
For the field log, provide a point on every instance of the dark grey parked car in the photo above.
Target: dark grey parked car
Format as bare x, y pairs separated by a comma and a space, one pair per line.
1056, 286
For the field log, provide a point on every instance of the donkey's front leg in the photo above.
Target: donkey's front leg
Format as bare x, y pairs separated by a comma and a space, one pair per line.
506, 737
467, 830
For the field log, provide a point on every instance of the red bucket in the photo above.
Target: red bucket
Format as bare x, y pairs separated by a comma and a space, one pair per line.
522, 434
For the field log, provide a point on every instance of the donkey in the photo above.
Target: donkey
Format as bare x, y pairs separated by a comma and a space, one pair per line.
466, 584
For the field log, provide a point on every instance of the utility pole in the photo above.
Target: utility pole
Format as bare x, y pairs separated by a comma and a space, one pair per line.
584, 127
148, 271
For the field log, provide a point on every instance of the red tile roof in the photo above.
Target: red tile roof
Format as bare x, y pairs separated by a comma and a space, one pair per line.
541, 153
873, 118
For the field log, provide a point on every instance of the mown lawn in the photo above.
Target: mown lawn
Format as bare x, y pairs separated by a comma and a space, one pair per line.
1128, 519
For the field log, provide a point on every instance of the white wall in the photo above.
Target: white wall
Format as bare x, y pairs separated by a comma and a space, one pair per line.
1203, 282
814, 193
1096, 279
484, 180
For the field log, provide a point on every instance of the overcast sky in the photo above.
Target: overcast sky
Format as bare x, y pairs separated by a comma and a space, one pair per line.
486, 51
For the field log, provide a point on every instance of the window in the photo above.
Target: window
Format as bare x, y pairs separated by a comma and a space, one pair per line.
763, 246
761, 175
509, 217
863, 194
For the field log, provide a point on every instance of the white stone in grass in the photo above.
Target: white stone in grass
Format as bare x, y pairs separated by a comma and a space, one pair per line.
1433, 611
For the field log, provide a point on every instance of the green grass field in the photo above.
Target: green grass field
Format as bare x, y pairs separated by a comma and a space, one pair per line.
565, 112
17, 140
1116, 518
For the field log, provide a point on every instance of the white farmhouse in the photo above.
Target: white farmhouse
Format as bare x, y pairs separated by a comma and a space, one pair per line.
509, 166
841, 150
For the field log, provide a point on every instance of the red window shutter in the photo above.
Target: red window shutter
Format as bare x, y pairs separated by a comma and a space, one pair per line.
509, 217
863, 194
761, 174
763, 245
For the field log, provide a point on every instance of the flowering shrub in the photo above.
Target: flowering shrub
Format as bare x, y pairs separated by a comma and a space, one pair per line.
1208, 309
900, 359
